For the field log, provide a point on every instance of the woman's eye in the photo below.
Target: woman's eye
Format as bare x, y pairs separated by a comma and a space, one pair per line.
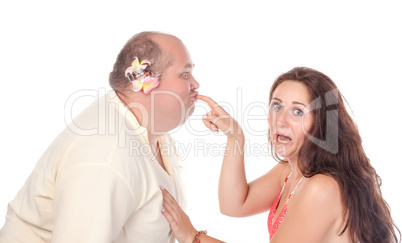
185, 75
298, 112
276, 106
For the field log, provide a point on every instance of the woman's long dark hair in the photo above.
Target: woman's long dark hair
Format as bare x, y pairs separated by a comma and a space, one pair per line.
333, 147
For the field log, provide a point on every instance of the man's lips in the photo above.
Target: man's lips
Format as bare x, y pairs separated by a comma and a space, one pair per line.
193, 96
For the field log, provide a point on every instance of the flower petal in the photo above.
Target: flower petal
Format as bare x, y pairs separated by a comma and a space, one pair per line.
135, 62
149, 84
137, 85
145, 62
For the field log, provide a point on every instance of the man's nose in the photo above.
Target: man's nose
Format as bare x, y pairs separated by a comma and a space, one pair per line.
194, 84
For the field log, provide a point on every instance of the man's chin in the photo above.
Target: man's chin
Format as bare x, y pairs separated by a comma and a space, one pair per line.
190, 110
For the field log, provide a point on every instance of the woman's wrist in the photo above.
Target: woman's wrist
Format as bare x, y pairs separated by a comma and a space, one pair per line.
197, 236
239, 138
191, 236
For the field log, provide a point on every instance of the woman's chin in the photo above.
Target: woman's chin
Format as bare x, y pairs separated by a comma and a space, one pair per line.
284, 152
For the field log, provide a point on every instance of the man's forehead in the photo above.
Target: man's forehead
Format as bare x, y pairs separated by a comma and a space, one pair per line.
167, 42
175, 48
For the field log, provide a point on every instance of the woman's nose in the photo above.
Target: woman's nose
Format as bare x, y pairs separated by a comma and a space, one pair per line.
281, 119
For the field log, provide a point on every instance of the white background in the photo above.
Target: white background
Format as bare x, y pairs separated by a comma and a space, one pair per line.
51, 49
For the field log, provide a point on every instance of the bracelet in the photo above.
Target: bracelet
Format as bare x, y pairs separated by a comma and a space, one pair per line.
196, 240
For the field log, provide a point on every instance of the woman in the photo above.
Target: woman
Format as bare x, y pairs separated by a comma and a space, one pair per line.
323, 189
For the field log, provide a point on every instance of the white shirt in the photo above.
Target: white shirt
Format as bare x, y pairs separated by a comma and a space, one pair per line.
97, 182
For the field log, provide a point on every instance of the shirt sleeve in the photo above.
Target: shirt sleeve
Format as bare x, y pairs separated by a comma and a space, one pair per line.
91, 204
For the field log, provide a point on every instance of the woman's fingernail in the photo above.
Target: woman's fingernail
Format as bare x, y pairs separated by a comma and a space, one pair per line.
161, 187
163, 210
215, 129
204, 117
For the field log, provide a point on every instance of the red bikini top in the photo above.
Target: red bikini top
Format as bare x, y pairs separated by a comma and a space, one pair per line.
274, 225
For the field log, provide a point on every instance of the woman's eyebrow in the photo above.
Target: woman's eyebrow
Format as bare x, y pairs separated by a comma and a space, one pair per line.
294, 102
299, 103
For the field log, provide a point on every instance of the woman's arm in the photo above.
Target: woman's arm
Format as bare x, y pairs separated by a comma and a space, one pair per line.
236, 197
180, 222
259, 197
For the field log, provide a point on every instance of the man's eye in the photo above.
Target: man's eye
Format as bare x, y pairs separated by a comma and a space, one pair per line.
185, 75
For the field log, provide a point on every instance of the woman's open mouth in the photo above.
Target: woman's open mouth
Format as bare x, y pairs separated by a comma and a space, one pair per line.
282, 139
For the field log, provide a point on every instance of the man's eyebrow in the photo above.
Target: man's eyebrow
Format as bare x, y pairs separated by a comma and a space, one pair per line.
189, 65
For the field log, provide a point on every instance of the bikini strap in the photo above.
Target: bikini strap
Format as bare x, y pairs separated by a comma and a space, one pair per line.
294, 189
288, 176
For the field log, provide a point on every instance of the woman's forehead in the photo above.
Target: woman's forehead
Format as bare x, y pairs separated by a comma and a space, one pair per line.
292, 91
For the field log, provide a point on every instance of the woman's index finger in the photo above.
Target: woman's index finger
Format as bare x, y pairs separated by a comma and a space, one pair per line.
209, 101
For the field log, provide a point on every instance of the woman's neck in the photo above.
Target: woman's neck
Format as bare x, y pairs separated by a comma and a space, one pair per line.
294, 166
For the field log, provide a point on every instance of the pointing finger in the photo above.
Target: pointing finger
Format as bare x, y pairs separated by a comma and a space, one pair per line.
207, 99
211, 103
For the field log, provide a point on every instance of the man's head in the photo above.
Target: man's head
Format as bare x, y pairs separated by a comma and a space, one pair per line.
143, 46
172, 102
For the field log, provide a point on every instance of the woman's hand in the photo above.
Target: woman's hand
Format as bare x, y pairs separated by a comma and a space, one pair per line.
178, 220
218, 119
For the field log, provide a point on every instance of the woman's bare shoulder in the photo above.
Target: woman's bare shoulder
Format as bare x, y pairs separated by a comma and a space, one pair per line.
323, 183
322, 190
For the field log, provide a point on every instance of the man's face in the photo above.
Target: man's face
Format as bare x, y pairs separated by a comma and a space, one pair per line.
175, 96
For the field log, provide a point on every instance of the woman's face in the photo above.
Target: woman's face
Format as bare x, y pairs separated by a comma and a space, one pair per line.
289, 118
